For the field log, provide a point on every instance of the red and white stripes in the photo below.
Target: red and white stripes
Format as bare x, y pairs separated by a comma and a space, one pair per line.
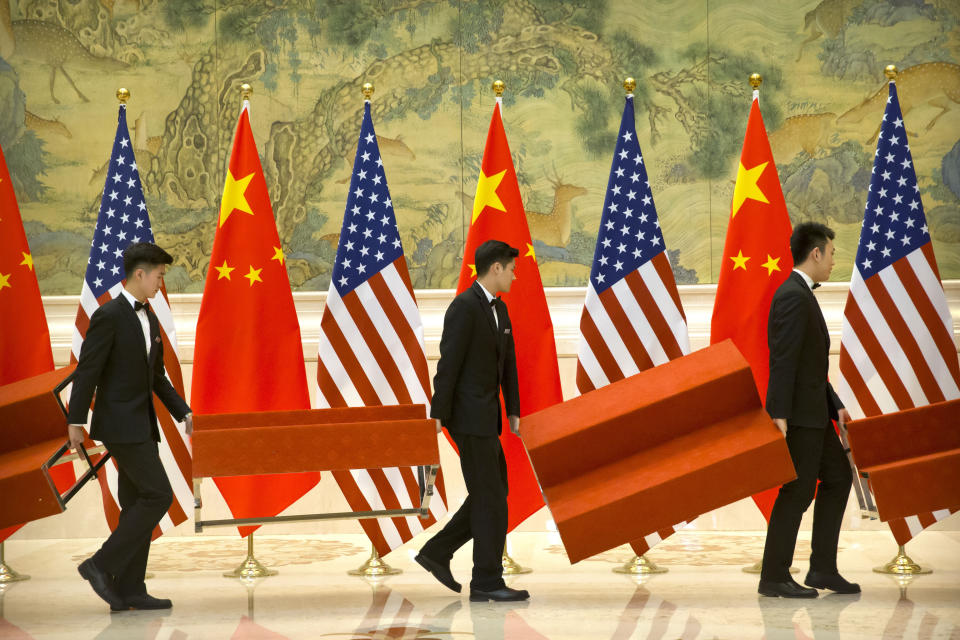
371, 353
636, 324
897, 350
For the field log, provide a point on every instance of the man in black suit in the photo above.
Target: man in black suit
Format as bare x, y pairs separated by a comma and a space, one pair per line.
122, 361
802, 403
477, 362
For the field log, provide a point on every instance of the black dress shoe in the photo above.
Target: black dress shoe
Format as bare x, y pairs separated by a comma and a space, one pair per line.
440, 571
100, 582
786, 589
143, 602
503, 594
833, 581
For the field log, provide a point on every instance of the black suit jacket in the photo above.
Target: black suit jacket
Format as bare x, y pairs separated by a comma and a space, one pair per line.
114, 364
799, 351
477, 361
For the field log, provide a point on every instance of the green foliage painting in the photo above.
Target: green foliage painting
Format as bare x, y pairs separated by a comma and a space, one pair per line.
432, 63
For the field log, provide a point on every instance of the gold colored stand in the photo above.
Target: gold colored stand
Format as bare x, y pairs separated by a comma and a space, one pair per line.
7, 574
639, 566
512, 568
902, 565
758, 567
374, 567
250, 568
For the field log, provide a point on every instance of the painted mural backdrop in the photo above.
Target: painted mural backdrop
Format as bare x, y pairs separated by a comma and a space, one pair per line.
432, 62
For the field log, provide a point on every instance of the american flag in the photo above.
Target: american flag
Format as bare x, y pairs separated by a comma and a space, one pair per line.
632, 318
896, 345
371, 343
123, 220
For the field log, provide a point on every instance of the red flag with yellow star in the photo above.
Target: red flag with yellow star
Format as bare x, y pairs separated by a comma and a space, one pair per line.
248, 355
24, 338
756, 260
498, 215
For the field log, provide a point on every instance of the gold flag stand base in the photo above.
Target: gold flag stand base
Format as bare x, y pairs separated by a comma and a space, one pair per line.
512, 568
902, 565
7, 573
758, 567
250, 568
639, 566
374, 567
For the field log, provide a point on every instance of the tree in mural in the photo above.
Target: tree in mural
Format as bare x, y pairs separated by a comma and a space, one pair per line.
535, 46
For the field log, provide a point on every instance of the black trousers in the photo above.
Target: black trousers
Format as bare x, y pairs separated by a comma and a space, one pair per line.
483, 515
145, 495
817, 455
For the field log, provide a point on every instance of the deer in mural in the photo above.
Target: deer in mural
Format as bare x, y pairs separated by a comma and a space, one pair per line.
52, 45
933, 83
549, 227
553, 227
827, 18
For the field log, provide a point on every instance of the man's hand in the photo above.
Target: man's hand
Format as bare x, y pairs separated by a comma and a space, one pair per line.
843, 417
439, 426
514, 424
781, 424
188, 424
77, 436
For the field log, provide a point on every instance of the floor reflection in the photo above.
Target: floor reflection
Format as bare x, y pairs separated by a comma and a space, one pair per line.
585, 601
391, 616
779, 616
911, 621
647, 616
130, 625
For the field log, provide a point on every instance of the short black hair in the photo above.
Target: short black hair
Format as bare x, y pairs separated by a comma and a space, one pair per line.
493, 251
806, 236
144, 254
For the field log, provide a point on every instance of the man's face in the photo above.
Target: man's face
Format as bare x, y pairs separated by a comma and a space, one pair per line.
506, 275
149, 279
824, 261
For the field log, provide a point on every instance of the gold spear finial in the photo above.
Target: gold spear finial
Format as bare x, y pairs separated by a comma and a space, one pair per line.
498, 87
367, 90
756, 80
629, 84
123, 95
890, 71
245, 91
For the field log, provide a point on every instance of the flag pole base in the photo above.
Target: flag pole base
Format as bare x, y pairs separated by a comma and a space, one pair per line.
250, 568
758, 567
374, 567
639, 566
7, 573
512, 568
902, 565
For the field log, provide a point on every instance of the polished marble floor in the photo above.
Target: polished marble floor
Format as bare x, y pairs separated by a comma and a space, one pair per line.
703, 595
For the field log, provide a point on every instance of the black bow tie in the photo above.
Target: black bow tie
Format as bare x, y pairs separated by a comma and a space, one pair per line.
137, 305
815, 285
493, 302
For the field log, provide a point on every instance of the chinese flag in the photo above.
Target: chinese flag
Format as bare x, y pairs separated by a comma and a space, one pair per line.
498, 215
24, 337
248, 355
756, 260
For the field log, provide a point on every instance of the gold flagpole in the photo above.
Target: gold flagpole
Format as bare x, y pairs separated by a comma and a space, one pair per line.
374, 567
250, 568
7, 573
637, 565
902, 565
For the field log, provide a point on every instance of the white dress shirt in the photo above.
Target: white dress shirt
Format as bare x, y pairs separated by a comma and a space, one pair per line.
490, 298
142, 316
806, 278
